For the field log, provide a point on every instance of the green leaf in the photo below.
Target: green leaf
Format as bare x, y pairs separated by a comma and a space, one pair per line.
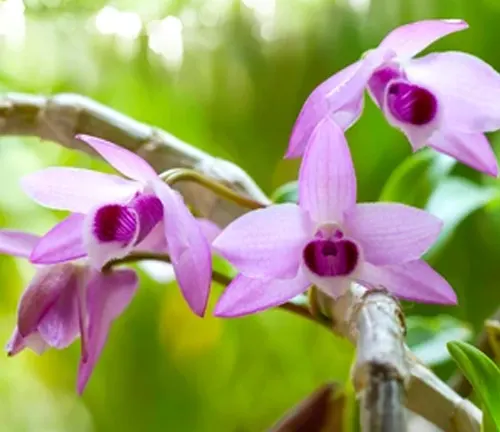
488, 423
453, 200
289, 192
427, 336
413, 181
484, 376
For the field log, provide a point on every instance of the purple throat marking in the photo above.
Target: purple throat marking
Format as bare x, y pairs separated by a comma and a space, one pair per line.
333, 256
114, 223
411, 104
119, 223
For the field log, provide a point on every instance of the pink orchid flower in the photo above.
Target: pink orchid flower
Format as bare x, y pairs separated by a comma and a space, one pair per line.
328, 240
64, 301
112, 215
444, 100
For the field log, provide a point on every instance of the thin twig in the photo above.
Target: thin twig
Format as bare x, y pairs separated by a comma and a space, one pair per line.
177, 175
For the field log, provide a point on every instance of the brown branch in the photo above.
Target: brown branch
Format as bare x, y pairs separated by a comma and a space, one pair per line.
59, 118
387, 375
373, 321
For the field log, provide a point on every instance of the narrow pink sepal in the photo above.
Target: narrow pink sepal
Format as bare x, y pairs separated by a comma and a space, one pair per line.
17, 343
188, 248
108, 296
123, 160
60, 325
17, 243
77, 190
410, 39
472, 149
339, 99
245, 295
319, 106
327, 181
42, 293
62, 243
414, 281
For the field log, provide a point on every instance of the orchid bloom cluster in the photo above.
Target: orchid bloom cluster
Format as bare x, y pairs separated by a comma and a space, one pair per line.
73, 293
444, 100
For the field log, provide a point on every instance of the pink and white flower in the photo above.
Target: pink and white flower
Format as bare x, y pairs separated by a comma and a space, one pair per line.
328, 240
65, 301
444, 100
112, 215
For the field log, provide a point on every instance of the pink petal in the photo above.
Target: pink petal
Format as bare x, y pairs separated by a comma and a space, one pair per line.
266, 243
327, 181
468, 89
60, 325
62, 243
124, 230
472, 149
123, 160
209, 229
155, 241
245, 295
77, 190
42, 293
413, 281
188, 248
340, 99
391, 233
17, 343
17, 243
408, 40
108, 296
319, 106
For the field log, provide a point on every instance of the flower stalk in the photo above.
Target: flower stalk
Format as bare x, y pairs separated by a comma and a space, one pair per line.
176, 175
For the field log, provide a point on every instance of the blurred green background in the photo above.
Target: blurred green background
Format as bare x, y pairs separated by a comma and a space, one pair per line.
228, 76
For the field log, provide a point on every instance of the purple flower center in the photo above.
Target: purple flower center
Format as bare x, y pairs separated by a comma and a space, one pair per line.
119, 223
335, 256
379, 80
115, 223
410, 103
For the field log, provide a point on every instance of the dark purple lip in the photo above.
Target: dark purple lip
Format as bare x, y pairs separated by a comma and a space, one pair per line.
332, 257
